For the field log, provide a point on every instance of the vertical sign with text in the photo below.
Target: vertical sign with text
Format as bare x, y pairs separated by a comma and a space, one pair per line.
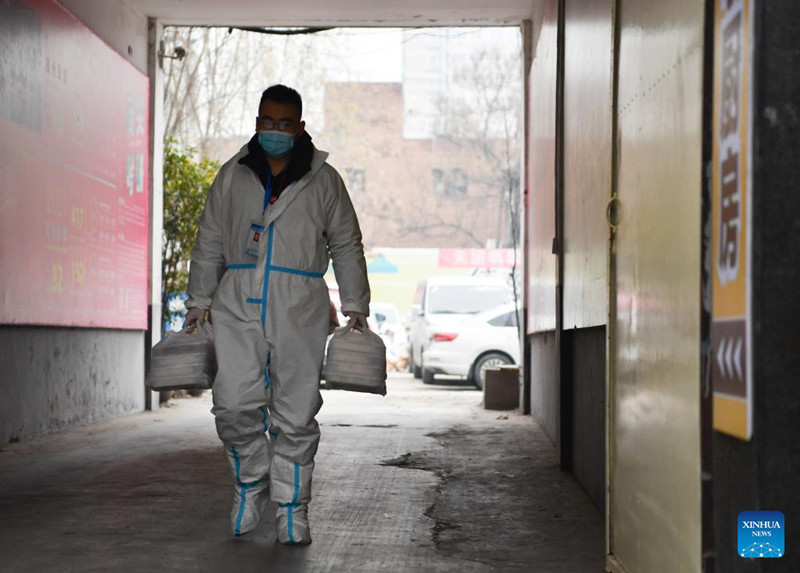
731, 368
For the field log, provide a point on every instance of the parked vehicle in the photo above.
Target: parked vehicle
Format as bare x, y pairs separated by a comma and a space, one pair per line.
384, 315
469, 348
384, 319
441, 302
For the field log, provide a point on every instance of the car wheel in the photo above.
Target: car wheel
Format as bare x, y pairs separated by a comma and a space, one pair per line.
427, 377
482, 364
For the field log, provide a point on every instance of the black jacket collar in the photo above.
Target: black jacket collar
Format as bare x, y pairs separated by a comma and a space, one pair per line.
299, 164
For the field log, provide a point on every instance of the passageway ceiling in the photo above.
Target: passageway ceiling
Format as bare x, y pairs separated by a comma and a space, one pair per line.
338, 12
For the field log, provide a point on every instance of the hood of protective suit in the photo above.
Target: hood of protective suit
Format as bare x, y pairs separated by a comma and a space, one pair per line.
299, 164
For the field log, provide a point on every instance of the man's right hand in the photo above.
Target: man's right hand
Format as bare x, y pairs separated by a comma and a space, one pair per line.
194, 316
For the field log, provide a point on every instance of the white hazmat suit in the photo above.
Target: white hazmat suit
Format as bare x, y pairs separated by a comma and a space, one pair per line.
270, 309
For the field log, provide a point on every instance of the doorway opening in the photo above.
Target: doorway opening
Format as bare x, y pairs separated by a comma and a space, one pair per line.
425, 126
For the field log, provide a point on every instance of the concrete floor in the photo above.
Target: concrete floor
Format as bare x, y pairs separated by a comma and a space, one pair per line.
421, 480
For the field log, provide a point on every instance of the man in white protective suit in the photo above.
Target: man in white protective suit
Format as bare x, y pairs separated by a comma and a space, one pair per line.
274, 214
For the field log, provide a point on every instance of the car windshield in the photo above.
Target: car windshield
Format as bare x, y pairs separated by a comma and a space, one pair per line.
466, 299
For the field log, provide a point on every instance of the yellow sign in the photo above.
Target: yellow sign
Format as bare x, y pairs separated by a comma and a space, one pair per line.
731, 364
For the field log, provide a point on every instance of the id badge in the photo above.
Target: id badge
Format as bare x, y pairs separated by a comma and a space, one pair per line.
254, 239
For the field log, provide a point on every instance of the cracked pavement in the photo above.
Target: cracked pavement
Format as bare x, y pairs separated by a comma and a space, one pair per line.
423, 479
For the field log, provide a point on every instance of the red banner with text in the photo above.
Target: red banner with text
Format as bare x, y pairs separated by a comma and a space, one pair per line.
477, 258
74, 174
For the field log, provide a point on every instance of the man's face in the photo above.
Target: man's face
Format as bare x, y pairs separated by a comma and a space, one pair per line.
273, 116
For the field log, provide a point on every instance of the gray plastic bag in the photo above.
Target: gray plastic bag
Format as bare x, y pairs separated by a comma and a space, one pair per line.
184, 360
356, 361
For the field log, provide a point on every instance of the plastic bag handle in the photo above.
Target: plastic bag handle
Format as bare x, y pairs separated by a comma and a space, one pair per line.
196, 327
351, 324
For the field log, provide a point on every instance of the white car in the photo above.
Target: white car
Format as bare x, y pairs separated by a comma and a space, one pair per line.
384, 319
470, 347
442, 302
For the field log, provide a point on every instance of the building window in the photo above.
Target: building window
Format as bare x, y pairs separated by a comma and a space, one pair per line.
458, 183
439, 187
452, 183
354, 179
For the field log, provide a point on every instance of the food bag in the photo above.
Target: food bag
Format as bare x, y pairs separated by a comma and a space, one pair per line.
356, 361
184, 360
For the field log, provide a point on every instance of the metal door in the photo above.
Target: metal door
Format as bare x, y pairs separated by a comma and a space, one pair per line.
654, 478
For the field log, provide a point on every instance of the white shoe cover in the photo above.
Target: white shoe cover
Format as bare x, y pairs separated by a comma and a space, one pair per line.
291, 524
249, 502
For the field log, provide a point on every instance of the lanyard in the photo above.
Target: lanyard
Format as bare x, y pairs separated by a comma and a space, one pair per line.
267, 192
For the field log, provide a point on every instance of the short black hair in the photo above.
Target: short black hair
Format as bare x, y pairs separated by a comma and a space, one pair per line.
280, 93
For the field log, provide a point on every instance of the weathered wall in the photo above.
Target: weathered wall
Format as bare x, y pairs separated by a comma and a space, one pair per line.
567, 373
544, 383
540, 269
762, 474
541, 263
118, 24
586, 189
655, 383
52, 378
588, 38
587, 373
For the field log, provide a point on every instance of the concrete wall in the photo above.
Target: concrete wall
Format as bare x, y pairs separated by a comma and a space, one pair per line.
587, 378
118, 24
55, 377
52, 378
567, 236
763, 474
654, 382
585, 190
544, 382
586, 175
540, 262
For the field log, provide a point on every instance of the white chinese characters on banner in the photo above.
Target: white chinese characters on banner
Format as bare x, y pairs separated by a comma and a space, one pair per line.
477, 258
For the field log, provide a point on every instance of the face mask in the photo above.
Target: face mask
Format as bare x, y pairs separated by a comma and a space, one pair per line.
276, 143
